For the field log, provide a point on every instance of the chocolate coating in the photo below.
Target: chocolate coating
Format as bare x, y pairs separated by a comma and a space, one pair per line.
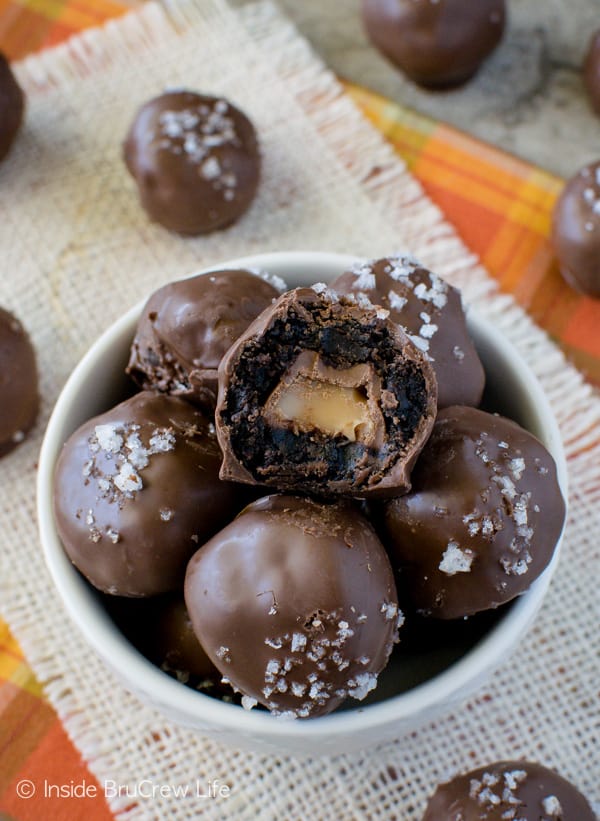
508, 791
12, 107
437, 43
295, 603
18, 383
136, 492
482, 519
576, 230
591, 71
329, 357
430, 311
195, 160
186, 327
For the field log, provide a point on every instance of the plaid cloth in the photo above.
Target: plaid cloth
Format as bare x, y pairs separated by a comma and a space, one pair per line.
501, 207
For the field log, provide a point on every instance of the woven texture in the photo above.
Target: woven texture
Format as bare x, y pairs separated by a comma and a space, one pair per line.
79, 251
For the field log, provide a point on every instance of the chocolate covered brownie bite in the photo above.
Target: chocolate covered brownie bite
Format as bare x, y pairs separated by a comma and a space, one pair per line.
195, 159
508, 791
437, 43
295, 603
482, 519
324, 395
136, 492
187, 326
576, 230
18, 383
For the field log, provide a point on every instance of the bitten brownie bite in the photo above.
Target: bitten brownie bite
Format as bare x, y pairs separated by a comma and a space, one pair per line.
576, 230
187, 326
322, 395
195, 160
136, 492
437, 43
508, 791
295, 603
483, 517
18, 383
12, 107
430, 311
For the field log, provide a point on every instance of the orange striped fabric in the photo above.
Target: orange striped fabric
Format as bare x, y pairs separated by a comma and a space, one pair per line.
29, 25
501, 207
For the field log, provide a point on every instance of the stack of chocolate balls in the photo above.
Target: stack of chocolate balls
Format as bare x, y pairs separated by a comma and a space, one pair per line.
303, 471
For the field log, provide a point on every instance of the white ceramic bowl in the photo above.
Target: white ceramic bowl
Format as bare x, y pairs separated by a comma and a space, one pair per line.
428, 682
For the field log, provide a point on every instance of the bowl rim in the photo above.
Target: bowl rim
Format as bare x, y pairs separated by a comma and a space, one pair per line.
206, 711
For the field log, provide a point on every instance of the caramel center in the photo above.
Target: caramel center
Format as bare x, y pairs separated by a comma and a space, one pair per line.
336, 402
332, 409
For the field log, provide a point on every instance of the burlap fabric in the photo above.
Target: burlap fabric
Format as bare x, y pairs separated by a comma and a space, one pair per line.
76, 250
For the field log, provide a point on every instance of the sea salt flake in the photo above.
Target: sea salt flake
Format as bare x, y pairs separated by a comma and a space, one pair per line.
223, 653
248, 702
436, 294
138, 455
389, 610
552, 806
456, 560
298, 642
113, 535
396, 301
589, 195
108, 438
520, 510
516, 467
488, 797
210, 168
316, 690
128, 479
360, 685
419, 342
365, 278
298, 689
103, 486
166, 514
513, 778
429, 330
272, 668
162, 441
276, 644
506, 485
363, 301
